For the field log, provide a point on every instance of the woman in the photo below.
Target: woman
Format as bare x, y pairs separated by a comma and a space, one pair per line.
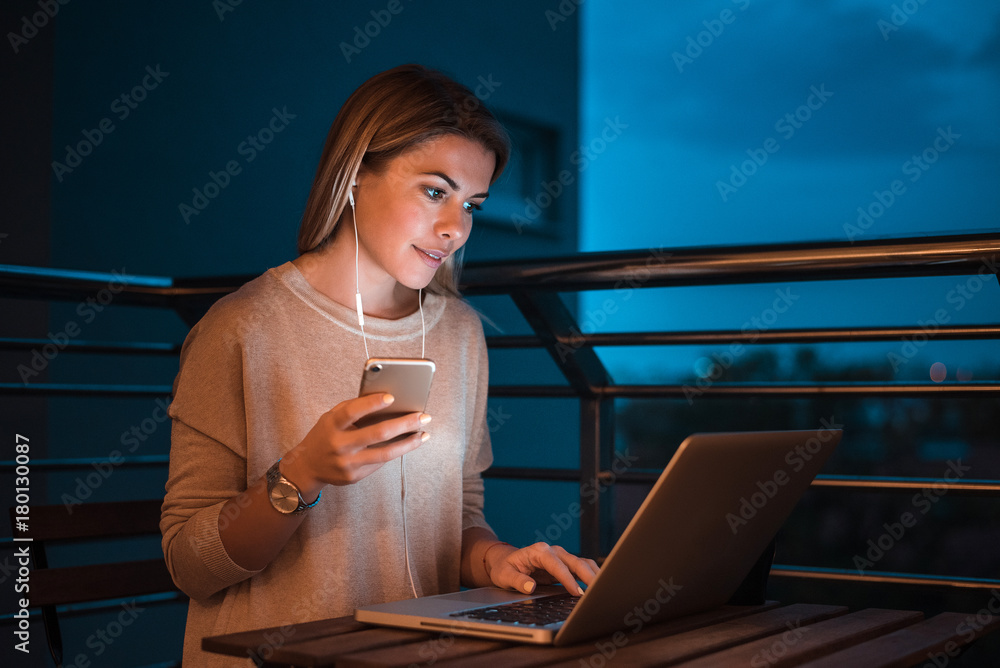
266, 399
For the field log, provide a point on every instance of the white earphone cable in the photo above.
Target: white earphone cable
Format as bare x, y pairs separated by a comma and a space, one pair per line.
406, 543
357, 291
357, 280
423, 328
364, 338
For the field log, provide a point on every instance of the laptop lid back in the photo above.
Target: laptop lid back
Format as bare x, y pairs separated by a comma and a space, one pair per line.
711, 513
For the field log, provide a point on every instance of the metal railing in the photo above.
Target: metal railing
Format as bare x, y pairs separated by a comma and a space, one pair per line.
534, 285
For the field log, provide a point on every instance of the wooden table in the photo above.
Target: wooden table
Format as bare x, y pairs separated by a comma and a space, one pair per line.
754, 636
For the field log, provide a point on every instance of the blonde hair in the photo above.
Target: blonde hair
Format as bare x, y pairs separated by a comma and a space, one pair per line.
387, 115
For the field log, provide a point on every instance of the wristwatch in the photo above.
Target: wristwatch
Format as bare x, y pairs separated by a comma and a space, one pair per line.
285, 496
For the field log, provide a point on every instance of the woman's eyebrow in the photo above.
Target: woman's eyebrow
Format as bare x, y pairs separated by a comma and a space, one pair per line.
454, 186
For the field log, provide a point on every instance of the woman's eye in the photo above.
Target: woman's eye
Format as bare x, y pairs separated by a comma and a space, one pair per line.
471, 207
434, 193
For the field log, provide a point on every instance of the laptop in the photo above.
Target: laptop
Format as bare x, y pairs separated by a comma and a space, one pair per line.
712, 512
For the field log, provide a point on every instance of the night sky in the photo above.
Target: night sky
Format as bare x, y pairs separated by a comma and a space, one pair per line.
746, 122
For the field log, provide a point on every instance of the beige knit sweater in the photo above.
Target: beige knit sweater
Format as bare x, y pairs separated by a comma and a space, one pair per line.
255, 374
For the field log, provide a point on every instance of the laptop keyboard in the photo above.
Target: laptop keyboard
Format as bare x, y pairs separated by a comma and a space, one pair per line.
532, 612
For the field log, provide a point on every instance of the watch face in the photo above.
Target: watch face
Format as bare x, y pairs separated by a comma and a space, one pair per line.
284, 497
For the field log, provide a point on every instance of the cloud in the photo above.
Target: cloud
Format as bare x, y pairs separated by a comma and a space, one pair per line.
890, 95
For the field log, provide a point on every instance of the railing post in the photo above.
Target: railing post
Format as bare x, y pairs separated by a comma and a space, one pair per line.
596, 447
554, 325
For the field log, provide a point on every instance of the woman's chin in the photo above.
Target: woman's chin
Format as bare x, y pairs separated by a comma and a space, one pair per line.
415, 282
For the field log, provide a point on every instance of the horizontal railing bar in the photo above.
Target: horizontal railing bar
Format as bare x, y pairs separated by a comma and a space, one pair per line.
879, 258
900, 484
69, 285
104, 606
100, 347
711, 265
514, 341
635, 476
984, 488
868, 483
706, 337
74, 463
792, 390
779, 390
842, 574
84, 390
709, 337
532, 391
41, 275
811, 335
699, 337
524, 473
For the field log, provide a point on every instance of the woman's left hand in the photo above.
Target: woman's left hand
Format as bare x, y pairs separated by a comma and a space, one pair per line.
523, 569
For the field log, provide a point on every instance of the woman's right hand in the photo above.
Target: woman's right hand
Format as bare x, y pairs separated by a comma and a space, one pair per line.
337, 452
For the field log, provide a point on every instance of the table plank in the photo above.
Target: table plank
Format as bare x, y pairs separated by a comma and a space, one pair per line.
932, 638
237, 644
327, 651
798, 646
524, 656
428, 652
700, 642
728, 636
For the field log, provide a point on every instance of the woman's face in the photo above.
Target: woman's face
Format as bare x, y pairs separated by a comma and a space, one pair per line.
418, 210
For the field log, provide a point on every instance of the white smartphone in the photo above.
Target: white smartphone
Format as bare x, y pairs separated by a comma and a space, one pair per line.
406, 379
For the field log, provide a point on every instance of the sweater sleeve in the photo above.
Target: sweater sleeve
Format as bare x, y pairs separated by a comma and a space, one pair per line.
479, 452
207, 460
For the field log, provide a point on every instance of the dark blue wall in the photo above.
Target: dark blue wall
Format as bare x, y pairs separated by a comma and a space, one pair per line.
226, 75
198, 82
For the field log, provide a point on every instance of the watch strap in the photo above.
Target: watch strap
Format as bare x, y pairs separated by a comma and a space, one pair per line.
274, 476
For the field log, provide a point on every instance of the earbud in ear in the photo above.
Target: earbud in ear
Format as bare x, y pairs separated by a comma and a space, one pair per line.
350, 193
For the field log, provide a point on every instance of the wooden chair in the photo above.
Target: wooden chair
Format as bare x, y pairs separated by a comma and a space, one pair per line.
52, 587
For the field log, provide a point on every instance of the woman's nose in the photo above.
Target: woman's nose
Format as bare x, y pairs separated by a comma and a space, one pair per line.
453, 225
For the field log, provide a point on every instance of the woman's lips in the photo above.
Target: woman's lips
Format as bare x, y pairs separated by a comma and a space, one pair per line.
432, 258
